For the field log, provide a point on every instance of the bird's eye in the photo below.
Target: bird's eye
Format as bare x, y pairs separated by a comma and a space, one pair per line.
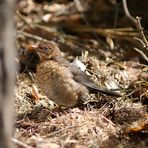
46, 50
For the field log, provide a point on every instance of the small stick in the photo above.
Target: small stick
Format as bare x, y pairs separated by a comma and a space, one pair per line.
128, 13
143, 39
142, 53
23, 19
32, 36
139, 27
20, 143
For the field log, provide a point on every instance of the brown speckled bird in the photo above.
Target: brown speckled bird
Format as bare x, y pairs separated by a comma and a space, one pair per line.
60, 80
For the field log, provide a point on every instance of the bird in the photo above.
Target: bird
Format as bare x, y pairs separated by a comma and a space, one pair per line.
61, 81
27, 59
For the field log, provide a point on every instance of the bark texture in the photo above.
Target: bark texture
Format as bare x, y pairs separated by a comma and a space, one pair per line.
7, 71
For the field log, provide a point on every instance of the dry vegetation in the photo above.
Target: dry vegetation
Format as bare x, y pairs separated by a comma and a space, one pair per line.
114, 52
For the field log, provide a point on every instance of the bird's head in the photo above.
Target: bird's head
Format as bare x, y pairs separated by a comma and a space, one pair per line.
48, 51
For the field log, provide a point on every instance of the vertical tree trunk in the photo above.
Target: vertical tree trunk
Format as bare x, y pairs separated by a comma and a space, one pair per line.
7, 71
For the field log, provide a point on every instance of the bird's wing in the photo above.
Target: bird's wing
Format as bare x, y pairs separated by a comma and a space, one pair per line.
83, 78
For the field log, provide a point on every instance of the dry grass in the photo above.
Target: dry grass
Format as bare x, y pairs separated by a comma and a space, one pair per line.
100, 121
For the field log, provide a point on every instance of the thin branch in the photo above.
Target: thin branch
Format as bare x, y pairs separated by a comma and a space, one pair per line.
142, 53
65, 129
20, 143
128, 13
23, 19
143, 39
139, 27
32, 36
139, 40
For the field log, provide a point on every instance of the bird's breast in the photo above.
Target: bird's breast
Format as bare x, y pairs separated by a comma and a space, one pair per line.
56, 81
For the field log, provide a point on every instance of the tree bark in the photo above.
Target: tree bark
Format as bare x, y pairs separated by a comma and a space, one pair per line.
7, 71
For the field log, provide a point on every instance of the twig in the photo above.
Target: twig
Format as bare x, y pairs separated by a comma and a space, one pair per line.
139, 40
32, 36
20, 143
23, 19
142, 53
143, 40
66, 128
139, 27
128, 13
137, 22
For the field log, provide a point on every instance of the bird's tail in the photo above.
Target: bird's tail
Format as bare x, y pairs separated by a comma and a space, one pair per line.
104, 91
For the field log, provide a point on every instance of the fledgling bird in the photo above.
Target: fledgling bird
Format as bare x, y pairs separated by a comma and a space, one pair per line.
62, 81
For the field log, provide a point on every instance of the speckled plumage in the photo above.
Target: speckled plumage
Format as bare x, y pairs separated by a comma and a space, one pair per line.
57, 83
62, 81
